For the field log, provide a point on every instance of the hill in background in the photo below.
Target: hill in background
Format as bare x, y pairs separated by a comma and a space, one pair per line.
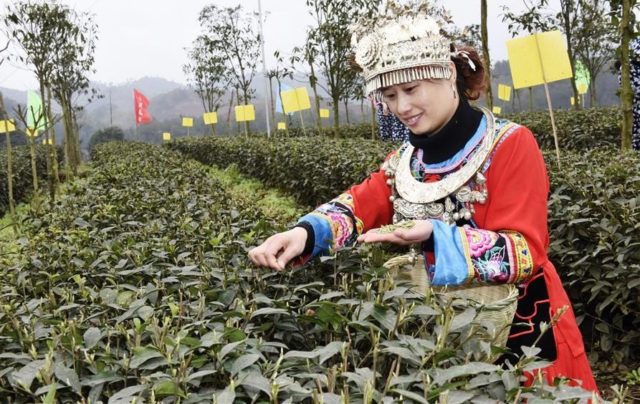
169, 101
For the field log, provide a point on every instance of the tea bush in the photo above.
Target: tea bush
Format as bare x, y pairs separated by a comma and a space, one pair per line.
310, 168
577, 130
594, 221
136, 285
593, 215
22, 176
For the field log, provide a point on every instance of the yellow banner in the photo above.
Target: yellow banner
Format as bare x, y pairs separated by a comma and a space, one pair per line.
7, 126
166, 136
210, 118
504, 92
296, 99
187, 122
282, 126
324, 113
497, 110
582, 88
245, 113
573, 101
538, 58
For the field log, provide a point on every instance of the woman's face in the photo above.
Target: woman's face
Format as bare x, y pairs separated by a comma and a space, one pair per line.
423, 106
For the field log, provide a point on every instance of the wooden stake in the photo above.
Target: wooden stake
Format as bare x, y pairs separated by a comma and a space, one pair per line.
546, 91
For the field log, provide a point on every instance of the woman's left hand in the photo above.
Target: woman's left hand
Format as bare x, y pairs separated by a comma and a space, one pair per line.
420, 232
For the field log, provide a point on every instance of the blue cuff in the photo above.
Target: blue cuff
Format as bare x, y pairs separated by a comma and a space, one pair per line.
451, 265
322, 232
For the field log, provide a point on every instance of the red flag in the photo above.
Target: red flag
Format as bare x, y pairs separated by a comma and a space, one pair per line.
140, 104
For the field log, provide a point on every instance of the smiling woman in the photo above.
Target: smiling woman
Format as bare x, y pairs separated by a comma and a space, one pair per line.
468, 190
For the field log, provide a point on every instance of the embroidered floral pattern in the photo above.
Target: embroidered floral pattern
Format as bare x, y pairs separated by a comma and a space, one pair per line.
345, 226
496, 257
480, 241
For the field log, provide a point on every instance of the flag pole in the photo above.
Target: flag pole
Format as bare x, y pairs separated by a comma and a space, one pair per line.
264, 69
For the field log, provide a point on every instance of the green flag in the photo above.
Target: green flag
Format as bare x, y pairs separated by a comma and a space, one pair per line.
583, 79
34, 111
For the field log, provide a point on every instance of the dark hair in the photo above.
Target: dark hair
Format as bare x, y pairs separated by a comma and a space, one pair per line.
471, 83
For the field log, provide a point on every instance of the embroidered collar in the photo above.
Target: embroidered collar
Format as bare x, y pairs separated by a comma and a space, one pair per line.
415, 191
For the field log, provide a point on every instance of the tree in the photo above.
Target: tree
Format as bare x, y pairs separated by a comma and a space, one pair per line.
622, 19
110, 134
538, 18
279, 73
234, 33
594, 41
39, 30
308, 53
69, 78
485, 50
207, 74
330, 43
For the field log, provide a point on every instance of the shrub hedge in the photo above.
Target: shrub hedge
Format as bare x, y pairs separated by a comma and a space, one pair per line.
594, 219
577, 130
22, 176
593, 215
136, 286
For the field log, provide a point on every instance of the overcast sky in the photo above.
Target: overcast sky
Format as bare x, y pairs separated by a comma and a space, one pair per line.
140, 38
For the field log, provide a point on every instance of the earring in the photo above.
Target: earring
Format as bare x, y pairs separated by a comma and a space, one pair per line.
453, 88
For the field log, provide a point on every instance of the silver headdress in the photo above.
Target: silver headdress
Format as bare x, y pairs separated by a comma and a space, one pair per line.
401, 45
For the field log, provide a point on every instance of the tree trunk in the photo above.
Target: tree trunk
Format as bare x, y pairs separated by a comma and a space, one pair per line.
34, 167
531, 99
346, 111
485, 51
229, 111
626, 94
56, 172
567, 6
12, 204
67, 141
47, 137
273, 107
245, 97
373, 120
314, 88
336, 112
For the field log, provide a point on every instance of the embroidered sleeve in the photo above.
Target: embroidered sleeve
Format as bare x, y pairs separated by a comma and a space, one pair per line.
338, 223
510, 240
465, 255
334, 224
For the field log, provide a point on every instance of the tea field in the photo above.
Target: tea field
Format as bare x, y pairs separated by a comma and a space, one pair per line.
135, 287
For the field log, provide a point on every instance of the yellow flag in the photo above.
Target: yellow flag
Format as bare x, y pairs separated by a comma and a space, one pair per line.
210, 118
538, 58
296, 99
7, 126
504, 92
573, 101
324, 113
497, 110
282, 126
187, 122
582, 88
245, 113
166, 136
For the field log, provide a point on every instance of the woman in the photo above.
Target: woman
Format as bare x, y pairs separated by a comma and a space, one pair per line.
475, 188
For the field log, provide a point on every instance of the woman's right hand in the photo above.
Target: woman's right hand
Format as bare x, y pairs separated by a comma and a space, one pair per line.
279, 249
